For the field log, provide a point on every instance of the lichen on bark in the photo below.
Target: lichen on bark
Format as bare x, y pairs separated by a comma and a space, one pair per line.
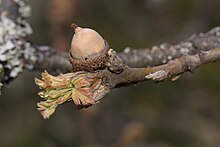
13, 29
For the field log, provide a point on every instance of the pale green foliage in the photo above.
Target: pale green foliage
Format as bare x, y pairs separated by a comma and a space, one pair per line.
77, 87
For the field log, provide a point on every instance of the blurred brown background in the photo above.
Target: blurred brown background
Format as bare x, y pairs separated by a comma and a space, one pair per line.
185, 113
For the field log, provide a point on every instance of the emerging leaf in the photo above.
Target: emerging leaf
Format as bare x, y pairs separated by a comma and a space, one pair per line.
83, 89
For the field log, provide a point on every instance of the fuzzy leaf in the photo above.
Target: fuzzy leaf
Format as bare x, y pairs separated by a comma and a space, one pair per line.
78, 87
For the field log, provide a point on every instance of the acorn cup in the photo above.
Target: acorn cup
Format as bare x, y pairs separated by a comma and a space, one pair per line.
88, 50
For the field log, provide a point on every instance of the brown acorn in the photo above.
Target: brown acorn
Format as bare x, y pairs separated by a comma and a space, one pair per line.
88, 50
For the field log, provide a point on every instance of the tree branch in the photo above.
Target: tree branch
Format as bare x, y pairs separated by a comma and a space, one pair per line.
48, 58
163, 53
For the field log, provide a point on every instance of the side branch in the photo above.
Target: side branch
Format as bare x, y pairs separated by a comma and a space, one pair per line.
162, 72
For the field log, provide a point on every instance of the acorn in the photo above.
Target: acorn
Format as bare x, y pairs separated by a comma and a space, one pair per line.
88, 50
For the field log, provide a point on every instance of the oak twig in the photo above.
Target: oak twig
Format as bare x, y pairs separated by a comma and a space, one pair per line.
87, 88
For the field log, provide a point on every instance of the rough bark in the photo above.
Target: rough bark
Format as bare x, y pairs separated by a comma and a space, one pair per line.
17, 53
161, 54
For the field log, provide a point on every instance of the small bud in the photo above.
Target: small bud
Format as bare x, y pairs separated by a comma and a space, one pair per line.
88, 50
86, 43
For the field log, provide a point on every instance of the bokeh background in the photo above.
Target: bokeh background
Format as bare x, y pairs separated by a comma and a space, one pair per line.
185, 113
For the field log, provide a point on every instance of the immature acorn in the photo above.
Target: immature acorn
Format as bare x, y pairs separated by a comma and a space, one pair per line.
88, 50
